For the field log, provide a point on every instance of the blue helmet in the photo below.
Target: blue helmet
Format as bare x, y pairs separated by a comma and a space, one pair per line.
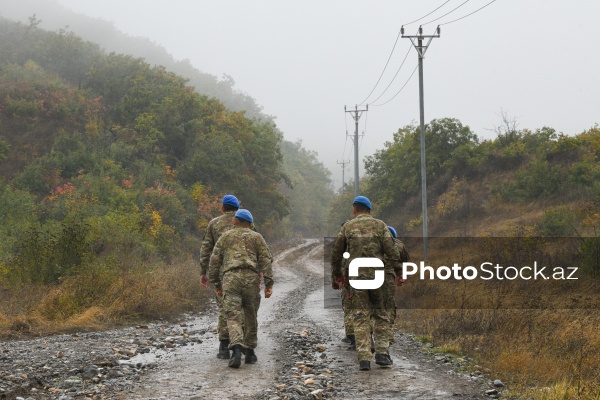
393, 231
364, 201
245, 215
231, 200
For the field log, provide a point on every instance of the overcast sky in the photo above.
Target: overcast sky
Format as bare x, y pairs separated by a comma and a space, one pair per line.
538, 60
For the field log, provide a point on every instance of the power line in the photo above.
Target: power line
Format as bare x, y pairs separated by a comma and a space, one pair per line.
449, 12
346, 141
479, 9
392, 52
382, 72
364, 130
398, 92
427, 15
395, 75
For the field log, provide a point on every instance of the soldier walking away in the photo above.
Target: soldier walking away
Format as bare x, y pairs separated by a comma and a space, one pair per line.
393, 278
365, 236
239, 257
215, 229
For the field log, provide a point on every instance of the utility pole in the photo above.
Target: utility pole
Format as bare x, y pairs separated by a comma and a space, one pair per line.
421, 50
356, 114
343, 163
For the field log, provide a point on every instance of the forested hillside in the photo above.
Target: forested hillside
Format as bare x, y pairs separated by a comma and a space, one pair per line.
545, 182
51, 15
110, 169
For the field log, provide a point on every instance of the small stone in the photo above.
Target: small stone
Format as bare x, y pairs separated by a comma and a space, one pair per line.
491, 392
498, 383
309, 381
317, 394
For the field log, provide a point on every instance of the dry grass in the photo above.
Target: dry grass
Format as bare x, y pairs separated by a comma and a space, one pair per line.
540, 353
98, 299
550, 350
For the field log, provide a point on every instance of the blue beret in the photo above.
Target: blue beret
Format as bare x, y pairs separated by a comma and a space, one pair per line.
231, 200
394, 234
363, 200
245, 215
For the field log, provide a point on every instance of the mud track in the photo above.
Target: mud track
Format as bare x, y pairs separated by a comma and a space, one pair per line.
299, 350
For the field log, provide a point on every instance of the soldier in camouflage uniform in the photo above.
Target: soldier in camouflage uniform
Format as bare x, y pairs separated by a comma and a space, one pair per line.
393, 278
365, 236
216, 227
239, 257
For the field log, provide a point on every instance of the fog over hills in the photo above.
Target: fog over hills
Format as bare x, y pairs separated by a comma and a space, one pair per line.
54, 16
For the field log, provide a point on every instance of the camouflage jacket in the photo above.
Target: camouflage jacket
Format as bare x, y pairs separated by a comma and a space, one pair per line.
403, 258
240, 248
364, 236
216, 227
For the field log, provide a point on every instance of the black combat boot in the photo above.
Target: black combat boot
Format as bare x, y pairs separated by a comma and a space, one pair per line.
250, 357
364, 365
352, 344
236, 356
384, 360
346, 339
223, 350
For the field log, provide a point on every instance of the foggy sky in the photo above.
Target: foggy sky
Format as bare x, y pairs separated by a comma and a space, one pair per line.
303, 61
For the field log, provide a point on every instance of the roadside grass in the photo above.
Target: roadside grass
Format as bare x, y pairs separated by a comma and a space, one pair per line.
540, 354
541, 339
102, 297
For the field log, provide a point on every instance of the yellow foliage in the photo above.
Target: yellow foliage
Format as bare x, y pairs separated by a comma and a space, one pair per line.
197, 191
156, 223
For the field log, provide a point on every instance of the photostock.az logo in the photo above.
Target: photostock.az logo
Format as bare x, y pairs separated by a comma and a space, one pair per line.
366, 262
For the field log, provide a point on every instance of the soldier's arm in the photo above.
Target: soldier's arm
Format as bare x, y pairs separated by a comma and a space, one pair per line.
390, 250
208, 244
265, 261
337, 254
216, 261
404, 257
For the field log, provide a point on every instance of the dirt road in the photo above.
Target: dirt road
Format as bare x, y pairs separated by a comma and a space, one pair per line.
300, 355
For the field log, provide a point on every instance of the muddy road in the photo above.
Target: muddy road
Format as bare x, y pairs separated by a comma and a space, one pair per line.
300, 355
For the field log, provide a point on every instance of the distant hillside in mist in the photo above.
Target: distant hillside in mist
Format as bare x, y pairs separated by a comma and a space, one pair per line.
54, 16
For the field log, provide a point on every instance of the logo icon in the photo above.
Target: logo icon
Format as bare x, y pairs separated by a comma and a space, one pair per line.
365, 262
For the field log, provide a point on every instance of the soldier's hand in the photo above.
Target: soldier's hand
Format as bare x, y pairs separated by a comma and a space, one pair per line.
268, 293
204, 280
219, 292
337, 282
334, 284
399, 281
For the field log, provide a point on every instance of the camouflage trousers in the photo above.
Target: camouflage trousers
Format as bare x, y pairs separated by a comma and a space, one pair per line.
389, 299
347, 307
241, 299
374, 313
222, 321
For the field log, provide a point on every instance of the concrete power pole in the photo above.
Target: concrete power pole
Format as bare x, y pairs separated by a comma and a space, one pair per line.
343, 163
356, 114
421, 50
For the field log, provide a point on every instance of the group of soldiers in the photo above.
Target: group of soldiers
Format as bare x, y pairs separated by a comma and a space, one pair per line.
235, 259
369, 314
